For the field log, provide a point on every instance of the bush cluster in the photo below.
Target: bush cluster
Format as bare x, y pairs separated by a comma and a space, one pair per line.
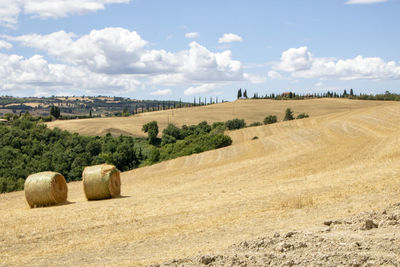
187, 140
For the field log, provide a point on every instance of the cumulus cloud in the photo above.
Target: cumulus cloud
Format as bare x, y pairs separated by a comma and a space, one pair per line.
11, 9
192, 35
202, 89
17, 72
295, 59
301, 64
5, 45
162, 92
115, 58
120, 51
354, 2
229, 38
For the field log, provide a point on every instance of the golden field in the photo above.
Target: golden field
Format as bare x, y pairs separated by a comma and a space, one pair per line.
340, 161
249, 110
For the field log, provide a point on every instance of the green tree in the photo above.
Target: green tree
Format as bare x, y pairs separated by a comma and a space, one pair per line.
288, 115
235, 124
151, 128
239, 94
55, 112
270, 119
245, 94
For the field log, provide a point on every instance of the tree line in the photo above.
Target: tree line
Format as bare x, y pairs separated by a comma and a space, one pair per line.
387, 96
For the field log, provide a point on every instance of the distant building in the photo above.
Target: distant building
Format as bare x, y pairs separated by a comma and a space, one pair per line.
3, 121
286, 94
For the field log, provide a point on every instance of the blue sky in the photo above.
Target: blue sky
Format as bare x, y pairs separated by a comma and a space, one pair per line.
172, 49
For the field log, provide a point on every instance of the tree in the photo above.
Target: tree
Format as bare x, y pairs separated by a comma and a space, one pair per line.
351, 92
288, 115
245, 94
151, 128
235, 124
239, 94
55, 112
344, 93
270, 119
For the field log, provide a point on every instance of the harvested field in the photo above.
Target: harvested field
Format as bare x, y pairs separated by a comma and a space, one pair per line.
249, 110
339, 162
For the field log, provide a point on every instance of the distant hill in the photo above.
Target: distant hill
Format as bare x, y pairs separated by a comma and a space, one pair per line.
249, 110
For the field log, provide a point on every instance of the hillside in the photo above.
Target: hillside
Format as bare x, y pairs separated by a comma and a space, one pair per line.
250, 110
341, 161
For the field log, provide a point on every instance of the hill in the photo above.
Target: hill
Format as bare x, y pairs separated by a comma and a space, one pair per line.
341, 161
250, 110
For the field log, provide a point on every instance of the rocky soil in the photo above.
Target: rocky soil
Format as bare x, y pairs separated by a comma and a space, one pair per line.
367, 239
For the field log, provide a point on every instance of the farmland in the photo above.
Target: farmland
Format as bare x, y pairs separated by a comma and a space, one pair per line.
341, 161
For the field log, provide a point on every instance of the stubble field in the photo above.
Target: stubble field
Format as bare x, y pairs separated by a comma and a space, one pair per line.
339, 162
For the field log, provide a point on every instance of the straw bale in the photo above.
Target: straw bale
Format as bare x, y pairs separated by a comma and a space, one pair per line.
101, 182
45, 189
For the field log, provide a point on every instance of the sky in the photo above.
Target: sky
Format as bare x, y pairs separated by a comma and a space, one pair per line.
181, 49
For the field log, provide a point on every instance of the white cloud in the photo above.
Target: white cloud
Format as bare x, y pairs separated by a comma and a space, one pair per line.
254, 78
120, 51
5, 45
19, 73
162, 92
192, 35
274, 75
295, 59
353, 2
11, 9
229, 38
119, 59
301, 64
202, 89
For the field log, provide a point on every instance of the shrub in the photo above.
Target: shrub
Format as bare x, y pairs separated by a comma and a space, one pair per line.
235, 124
270, 119
288, 115
256, 123
302, 116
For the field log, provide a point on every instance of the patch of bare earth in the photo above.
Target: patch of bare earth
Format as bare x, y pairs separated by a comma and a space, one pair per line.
367, 239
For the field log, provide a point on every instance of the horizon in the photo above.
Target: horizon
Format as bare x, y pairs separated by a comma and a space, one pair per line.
169, 50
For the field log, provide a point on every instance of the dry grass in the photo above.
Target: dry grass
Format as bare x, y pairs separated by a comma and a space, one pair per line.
250, 110
297, 174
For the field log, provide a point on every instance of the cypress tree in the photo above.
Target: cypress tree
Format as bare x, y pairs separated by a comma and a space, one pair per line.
239, 94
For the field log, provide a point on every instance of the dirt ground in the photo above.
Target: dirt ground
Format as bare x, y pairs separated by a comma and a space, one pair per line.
368, 239
294, 177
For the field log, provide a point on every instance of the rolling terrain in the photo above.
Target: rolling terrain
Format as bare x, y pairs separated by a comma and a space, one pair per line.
249, 110
341, 161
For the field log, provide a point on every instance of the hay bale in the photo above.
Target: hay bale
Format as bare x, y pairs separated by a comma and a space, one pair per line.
101, 182
45, 188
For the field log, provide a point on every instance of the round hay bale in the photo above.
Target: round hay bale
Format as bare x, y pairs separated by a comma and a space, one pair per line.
101, 182
45, 188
